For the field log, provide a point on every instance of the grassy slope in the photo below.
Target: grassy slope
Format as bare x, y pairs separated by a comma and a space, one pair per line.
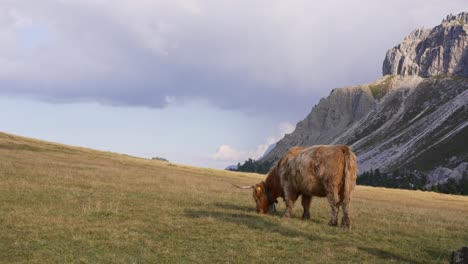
67, 204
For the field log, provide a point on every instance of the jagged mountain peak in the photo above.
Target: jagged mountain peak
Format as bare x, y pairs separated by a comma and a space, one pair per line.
430, 52
418, 35
461, 18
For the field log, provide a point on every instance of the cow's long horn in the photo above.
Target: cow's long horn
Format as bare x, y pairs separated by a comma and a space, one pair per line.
243, 187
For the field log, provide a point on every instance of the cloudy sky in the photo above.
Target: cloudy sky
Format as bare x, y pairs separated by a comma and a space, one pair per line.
207, 83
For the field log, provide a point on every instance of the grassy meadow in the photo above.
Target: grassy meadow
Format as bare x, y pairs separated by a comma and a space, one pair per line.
61, 204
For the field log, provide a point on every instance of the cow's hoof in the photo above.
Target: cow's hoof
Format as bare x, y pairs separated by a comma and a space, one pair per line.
333, 223
305, 216
346, 223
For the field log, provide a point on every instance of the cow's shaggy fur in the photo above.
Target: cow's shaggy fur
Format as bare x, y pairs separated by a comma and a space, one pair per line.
324, 171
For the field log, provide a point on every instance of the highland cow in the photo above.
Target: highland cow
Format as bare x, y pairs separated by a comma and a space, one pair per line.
323, 171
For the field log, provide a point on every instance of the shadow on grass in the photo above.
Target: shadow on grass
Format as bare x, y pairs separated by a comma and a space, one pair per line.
255, 222
236, 207
387, 255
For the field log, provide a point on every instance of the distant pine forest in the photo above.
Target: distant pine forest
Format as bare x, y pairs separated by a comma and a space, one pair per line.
399, 179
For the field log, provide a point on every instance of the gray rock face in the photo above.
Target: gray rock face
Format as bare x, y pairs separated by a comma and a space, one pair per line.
418, 124
328, 119
430, 52
441, 175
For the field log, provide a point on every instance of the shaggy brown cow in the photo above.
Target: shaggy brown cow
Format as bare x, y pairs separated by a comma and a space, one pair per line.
314, 171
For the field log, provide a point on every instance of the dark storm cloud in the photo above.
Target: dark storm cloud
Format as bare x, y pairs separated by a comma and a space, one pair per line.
252, 56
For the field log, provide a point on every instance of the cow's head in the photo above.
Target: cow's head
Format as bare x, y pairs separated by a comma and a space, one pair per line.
262, 198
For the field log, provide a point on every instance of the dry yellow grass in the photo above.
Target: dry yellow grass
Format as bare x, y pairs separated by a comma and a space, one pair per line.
67, 204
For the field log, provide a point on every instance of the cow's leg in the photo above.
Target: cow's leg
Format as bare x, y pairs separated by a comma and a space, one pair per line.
306, 205
345, 221
334, 201
290, 199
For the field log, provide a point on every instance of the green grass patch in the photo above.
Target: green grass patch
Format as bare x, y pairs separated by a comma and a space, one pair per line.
380, 89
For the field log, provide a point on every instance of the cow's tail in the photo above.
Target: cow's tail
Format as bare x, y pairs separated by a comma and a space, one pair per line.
350, 170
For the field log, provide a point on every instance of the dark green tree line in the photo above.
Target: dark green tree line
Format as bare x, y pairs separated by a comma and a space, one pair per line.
404, 179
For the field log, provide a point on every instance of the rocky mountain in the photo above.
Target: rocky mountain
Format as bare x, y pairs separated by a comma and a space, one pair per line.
415, 117
328, 119
429, 52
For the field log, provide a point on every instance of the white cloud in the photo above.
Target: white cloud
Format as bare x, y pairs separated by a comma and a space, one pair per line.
169, 99
232, 155
285, 128
228, 153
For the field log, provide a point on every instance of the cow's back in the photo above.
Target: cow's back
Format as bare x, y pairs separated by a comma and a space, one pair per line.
317, 170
